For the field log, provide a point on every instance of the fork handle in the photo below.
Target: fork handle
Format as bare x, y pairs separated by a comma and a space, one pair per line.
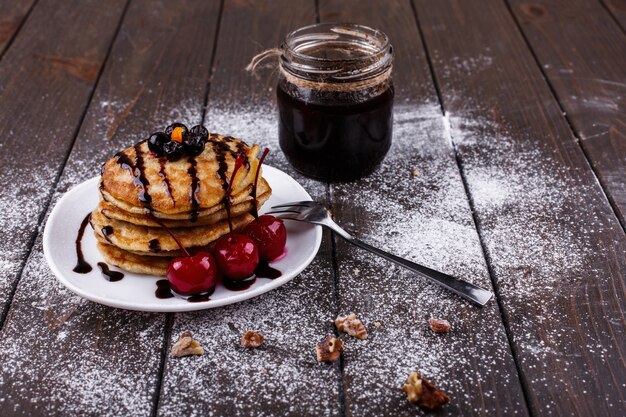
462, 288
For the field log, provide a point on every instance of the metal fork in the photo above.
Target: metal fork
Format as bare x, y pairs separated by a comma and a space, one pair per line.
313, 212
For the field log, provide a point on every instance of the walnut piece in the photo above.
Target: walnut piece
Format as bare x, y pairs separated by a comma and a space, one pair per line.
186, 346
352, 326
329, 349
252, 339
439, 326
421, 392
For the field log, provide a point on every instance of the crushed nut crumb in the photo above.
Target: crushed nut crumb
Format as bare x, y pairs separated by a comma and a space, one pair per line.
329, 349
421, 392
415, 173
377, 324
351, 326
186, 346
252, 339
439, 326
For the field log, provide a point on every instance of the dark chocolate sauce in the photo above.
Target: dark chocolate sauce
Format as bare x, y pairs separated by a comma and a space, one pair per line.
195, 188
264, 270
200, 297
137, 171
109, 275
155, 246
106, 232
166, 180
239, 285
242, 151
335, 137
82, 267
220, 150
164, 290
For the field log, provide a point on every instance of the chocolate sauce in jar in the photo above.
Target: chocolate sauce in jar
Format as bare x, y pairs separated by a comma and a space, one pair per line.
335, 140
335, 100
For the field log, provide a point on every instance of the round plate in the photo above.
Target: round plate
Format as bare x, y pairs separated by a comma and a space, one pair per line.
136, 291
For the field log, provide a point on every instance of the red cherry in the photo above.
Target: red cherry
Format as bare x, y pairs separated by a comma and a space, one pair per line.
269, 234
195, 274
236, 255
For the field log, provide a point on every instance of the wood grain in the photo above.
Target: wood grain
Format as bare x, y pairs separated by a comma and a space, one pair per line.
61, 355
12, 17
553, 243
283, 377
618, 9
46, 80
425, 218
587, 78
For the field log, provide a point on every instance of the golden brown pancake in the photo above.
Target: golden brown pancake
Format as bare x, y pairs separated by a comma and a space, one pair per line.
137, 181
241, 204
186, 195
142, 239
140, 264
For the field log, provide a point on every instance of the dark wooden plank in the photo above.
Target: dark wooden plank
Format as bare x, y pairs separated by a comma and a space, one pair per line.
12, 17
587, 78
427, 219
618, 10
46, 80
553, 242
283, 378
61, 355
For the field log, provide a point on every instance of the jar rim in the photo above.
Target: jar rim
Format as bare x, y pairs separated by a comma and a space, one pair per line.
373, 45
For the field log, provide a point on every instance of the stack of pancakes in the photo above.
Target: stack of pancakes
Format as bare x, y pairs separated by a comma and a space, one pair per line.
140, 192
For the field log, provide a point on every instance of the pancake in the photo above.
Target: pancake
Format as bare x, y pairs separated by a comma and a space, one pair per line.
137, 181
162, 254
140, 264
242, 203
143, 239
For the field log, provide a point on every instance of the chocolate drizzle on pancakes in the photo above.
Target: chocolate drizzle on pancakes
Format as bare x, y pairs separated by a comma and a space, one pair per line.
145, 187
137, 172
166, 181
195, 187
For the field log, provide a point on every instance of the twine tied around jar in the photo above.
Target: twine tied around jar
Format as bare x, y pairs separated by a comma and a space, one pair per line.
381, 80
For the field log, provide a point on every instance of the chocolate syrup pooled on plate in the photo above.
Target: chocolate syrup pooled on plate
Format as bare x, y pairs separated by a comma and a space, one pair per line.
82, 267
109, 275
164, 290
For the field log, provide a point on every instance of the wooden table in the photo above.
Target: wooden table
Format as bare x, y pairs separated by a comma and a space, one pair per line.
508, 169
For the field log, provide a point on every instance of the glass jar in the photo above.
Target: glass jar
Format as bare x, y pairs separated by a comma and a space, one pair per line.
335, 100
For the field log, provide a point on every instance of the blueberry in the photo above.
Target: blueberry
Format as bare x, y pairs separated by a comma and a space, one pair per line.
201, 130
156, 141
170, 129
194, 145
173, 150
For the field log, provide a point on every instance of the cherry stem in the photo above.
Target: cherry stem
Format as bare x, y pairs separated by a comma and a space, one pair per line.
238, 164
167, 229
255, 209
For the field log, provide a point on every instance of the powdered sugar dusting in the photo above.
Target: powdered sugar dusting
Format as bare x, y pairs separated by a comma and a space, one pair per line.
21, 203
540, 220
69, 356
80, 355
280, 377
424, 218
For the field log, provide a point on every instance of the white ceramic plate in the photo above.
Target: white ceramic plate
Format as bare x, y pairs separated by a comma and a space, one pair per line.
137, 292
